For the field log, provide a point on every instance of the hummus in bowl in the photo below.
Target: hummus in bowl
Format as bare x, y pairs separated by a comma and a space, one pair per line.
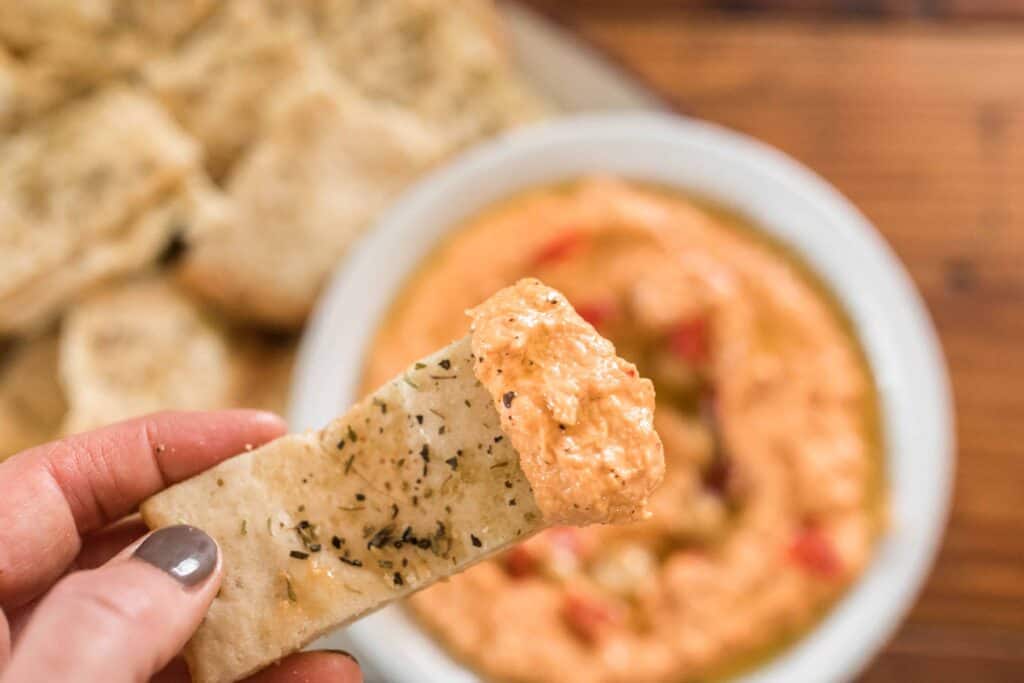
772, 527
772, 499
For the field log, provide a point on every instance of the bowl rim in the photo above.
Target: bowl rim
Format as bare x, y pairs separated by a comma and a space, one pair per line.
783, 198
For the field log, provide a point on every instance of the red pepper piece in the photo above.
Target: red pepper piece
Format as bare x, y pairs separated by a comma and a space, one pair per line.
520, 562
813, 551
588, 616
559, 247
597, 313
690, 340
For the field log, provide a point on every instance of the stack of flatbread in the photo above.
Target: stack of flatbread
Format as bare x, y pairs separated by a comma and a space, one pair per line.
179, 177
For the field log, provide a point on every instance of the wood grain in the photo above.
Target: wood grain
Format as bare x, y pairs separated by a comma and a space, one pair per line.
951, 10
921, 124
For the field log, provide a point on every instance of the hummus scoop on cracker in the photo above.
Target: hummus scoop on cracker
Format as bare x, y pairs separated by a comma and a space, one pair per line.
529, 421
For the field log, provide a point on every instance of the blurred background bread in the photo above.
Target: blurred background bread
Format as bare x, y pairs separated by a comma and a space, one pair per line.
179, 177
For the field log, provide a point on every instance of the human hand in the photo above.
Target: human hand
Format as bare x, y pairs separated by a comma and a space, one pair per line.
85, 594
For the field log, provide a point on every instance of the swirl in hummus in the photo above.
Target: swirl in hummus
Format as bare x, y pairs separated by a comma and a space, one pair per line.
772, 497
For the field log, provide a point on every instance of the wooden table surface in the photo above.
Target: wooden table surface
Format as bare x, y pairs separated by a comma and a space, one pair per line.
915, 110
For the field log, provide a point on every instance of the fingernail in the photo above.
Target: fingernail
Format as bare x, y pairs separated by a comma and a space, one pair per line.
266, 417
343, 653
184, 552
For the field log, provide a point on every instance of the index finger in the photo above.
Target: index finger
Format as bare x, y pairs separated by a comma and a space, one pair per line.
55, 493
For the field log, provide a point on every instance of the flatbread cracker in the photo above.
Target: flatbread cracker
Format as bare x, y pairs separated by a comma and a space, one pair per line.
9, 91
28, 92
82, 175
225, 78
17, 99
79, 45
138, 347
32, 402
416, 482
30, 25
145, 345
30, 89
443, 61
197, 207
328, 163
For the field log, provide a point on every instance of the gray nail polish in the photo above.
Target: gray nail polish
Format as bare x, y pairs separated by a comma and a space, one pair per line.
184, 552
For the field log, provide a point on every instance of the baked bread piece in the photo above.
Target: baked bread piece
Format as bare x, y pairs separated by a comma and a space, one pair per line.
116, 28
32, 402
443, 61
137, 347
24, 91
423, 478
196, 207
328, 163
74, 46
145, 345
336, 106
10, 95
225, 79
30, 90
78, 178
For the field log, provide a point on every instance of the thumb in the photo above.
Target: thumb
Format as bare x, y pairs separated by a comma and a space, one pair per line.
126, 620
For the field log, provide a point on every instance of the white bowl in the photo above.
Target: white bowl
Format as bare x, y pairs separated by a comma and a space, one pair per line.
787, 201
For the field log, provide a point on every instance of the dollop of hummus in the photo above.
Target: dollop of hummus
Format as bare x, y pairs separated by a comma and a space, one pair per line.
581, 418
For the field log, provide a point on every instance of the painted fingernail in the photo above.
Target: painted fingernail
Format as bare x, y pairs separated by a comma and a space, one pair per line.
265, 417
184, 552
